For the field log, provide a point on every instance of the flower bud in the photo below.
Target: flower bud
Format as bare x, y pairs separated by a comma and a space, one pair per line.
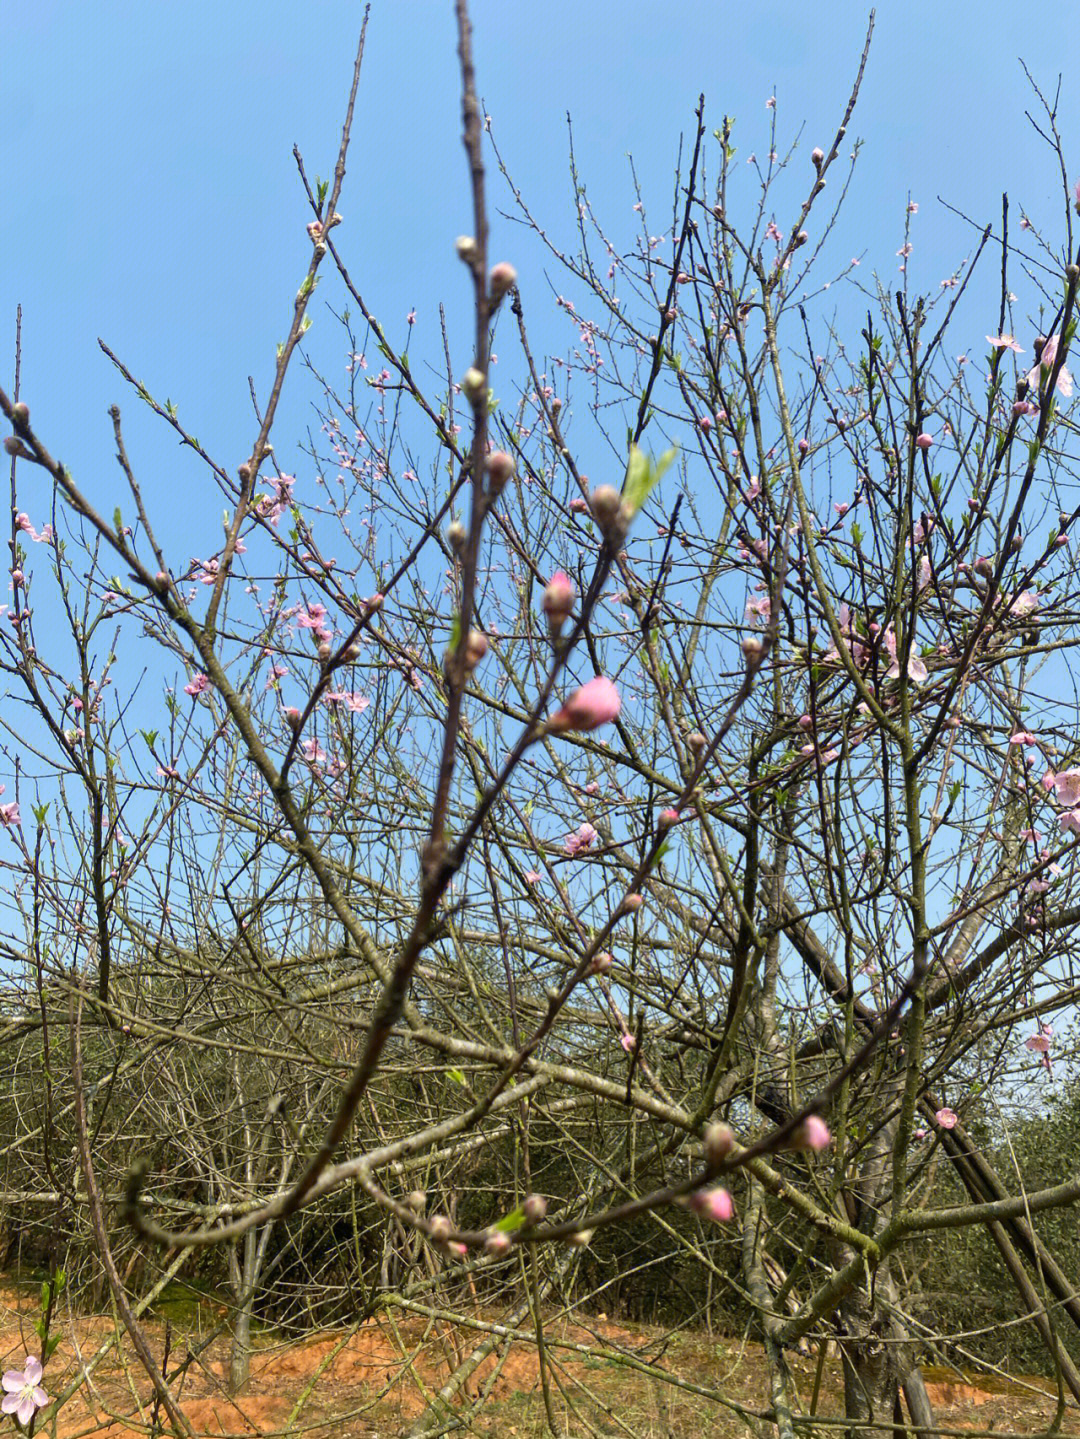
594, 704
503, 277
581, 1239
373, 604
719, 1142
15, 446
467, 249
456, 536
500, 468
667, 818
558, 601
813, 1133
804, 445
924, 441
817, 155
601, 962
417, 1201
441, 1228
497, 1243
20, 413
534, 1207
292, 718
351, 654
323, 651
713, 1204
696, 741
801, 238
474, 384
631, 903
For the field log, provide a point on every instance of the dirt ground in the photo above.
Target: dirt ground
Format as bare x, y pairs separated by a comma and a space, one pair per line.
380, 1380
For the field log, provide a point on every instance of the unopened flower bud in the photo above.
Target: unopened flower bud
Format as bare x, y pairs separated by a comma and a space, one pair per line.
417, 1201
609, 513
804, 445
467, 249
813, 1133
323, 651
558, 601
697, 741
581, 1239
351, 653
578, 506
503, 277
594, 704
1072, 272
373, 604
20, 413
713, 1204
534, 1207
15, 446
500, 467
476, 647
667, 818
753, 648
801, 237
1016, 544
601, 962
924, 441
441, 1228
292, 718
474, 384
817, 155
631, 903
456, 536
719, 1142
497, 1243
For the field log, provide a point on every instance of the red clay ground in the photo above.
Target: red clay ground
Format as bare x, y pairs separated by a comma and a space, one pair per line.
378, 1380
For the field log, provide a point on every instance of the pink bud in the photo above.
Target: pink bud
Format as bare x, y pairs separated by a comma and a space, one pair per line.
500, 466
558, 600
924, 441
947, 1118
629, 1043
804, 445
696, 740
806, 722
713, 1204
503, 277
813, 1133
705, 424
667, 818
719, 1142
594, 704
497, 1243
534, 1207
601, 963
817, 155
578, 506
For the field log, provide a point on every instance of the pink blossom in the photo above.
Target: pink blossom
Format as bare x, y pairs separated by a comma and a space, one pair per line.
916, 670
594, 704
1023, 737
197, 685
558, 600
947, 1118
924, 441
9, 814
1046, 363
1067, 787
23, 1393
752, 490
1070, 820
583, 838
578, 506
713, 1204
1004, 342
533, 876
629, 1043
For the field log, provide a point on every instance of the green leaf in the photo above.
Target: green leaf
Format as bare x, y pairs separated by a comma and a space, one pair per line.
642, 475
46, 1294
509, 1222
39, 1329
40, 811
150, 736
456, 1075
51, 1346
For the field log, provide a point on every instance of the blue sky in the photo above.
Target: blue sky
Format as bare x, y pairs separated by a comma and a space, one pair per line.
152, 198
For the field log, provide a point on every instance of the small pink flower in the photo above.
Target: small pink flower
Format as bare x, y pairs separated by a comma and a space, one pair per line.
947, 1118
1067, 787
601, 962
9, 814
1023, 737
594, 704
578, 506
1046, 363
924, 441
583, 838
1004, 342
23, 1393
1070, 820
813, 1133
705, 424
715, 1204
197, 685
533, 876
629, 1043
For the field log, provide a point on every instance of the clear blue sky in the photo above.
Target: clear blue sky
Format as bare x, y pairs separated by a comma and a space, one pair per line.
151, 197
